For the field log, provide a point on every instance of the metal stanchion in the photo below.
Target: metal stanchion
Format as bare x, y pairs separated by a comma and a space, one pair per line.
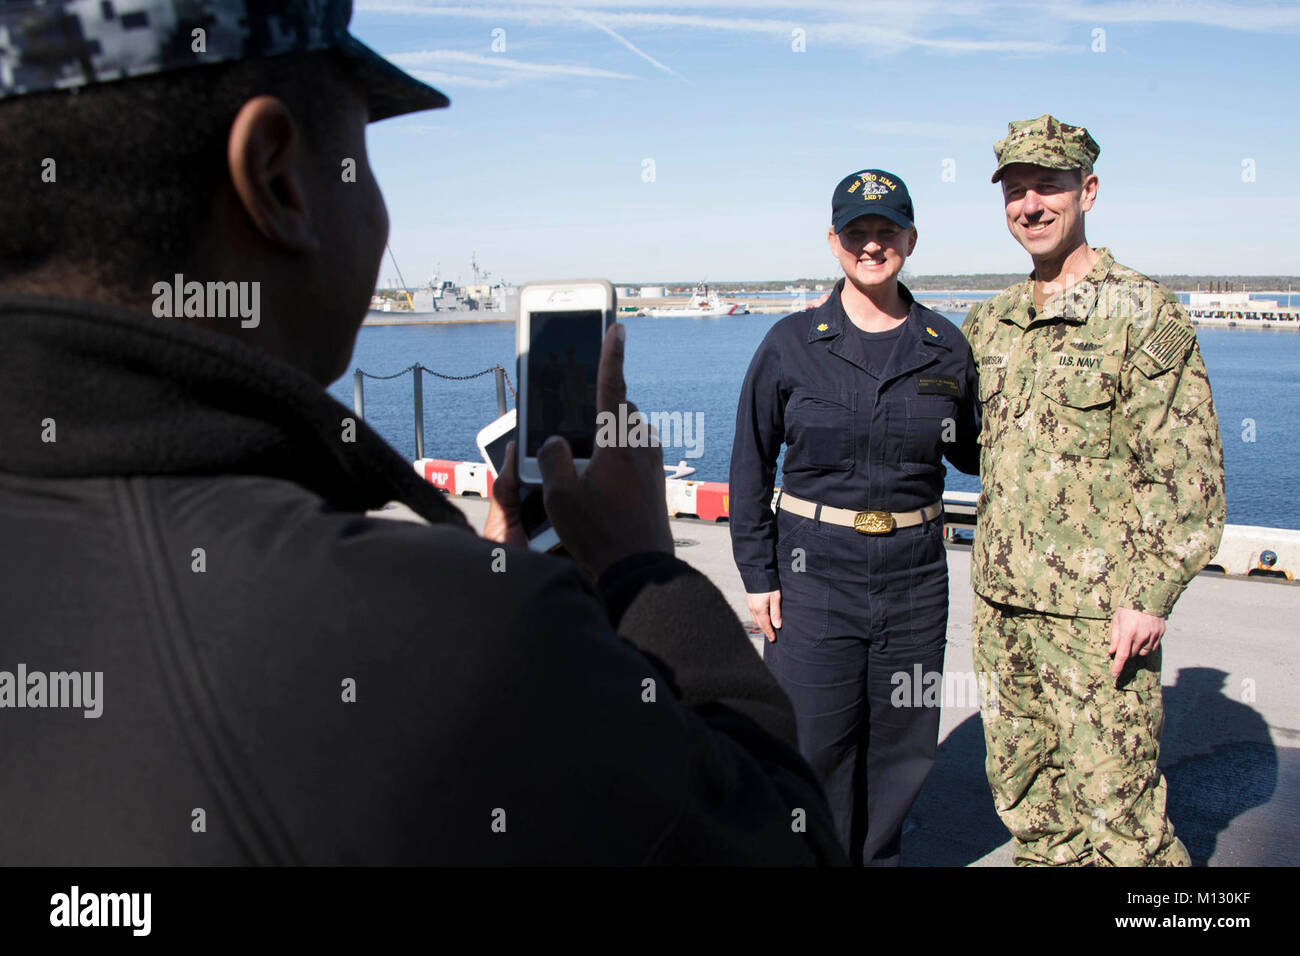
418, 371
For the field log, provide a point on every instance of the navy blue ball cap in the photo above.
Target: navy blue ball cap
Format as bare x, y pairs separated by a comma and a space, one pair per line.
57, 44
871, 192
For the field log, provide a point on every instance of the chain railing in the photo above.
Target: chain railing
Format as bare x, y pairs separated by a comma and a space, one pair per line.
359, 396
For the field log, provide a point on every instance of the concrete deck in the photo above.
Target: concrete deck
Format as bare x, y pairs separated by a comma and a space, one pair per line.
1231, 747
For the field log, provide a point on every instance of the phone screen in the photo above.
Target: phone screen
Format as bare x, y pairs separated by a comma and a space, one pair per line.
495, 450
563, 352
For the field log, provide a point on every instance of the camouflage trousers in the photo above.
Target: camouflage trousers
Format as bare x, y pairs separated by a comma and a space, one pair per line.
1071, 750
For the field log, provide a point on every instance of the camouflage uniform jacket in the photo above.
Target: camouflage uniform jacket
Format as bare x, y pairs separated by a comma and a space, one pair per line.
1101, 466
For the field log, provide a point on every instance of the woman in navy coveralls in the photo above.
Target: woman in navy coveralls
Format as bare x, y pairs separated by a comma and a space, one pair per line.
848, 579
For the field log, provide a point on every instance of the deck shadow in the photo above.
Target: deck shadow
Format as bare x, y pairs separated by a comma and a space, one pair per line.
1218, 758
1219, 761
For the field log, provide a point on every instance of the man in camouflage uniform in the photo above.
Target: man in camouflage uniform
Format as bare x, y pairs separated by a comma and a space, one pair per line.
1102, 475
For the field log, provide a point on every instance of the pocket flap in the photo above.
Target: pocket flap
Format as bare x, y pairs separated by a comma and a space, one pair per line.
930, 406
821, 397
1080, 389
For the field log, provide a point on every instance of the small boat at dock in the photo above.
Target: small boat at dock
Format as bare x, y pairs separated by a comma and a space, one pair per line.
704, 304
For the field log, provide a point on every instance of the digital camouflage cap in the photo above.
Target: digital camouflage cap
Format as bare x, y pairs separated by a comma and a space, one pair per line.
1046, 141
57, 44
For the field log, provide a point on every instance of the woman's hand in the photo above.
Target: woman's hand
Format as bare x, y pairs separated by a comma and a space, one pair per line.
765, 609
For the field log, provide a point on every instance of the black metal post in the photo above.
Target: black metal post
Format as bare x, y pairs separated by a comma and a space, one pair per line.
501, 390
418, 372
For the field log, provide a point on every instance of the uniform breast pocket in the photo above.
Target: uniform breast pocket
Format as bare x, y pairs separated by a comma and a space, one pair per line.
1074, 412
930, 420
819, 429
992, 382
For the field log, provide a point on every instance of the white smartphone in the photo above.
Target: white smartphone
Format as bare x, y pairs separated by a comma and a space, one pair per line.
558, 337
492, 442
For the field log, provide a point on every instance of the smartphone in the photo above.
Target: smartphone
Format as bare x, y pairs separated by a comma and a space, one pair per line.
492, 442
558, 337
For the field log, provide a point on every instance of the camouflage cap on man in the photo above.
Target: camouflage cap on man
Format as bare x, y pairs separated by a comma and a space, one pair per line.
57, 44
1046, 141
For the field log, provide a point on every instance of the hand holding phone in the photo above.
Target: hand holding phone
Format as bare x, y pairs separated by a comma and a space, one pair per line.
517, 514
559, 333
616, 506
504, 523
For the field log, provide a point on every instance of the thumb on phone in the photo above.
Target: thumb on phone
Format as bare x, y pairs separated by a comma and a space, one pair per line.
503, 523
559, 477
611, 386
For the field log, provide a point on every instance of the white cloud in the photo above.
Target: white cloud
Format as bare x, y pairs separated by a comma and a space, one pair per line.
911, 22
1248, 17
439, 78
861, 33
419, 58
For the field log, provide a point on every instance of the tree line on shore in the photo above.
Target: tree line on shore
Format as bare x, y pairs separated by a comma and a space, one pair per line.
994, 281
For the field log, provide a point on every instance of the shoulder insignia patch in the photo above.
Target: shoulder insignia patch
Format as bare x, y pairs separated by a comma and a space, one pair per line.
1168, 344
931, 332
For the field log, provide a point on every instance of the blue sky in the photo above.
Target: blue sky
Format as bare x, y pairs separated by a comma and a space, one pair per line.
539, 165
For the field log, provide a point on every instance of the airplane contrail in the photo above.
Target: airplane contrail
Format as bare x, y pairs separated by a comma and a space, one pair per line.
587, 18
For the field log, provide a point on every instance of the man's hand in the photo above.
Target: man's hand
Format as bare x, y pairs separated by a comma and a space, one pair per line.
503, 522
1133, 633
765, 609
616, 508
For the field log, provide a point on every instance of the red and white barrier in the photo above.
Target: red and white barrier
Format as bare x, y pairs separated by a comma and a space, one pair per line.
681, 497
711, 501
438, 472
473, 478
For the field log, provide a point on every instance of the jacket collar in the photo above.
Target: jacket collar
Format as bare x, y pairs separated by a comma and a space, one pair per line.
1073, 304
829, 319
920, 336
123, 393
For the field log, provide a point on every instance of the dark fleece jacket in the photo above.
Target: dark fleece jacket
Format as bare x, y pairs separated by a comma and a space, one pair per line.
286, 680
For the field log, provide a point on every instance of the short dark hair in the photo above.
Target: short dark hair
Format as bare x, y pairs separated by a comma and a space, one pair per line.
137, 163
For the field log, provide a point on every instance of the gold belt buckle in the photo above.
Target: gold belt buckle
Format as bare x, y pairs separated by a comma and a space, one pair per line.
873, 522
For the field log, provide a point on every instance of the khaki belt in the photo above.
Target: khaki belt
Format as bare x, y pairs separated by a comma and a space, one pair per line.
866, 522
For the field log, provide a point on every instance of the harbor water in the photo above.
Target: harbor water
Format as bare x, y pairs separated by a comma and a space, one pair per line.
696, 366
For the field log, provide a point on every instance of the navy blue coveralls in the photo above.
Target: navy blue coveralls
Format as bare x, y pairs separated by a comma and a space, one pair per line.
856, 609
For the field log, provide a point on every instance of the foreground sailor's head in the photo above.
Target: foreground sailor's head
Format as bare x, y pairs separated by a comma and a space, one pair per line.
872, 231
1045, 167
235, 152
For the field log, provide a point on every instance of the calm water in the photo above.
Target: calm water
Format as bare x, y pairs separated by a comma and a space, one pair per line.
692, 365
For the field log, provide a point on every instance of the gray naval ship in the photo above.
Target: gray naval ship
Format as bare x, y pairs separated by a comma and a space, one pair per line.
441, 300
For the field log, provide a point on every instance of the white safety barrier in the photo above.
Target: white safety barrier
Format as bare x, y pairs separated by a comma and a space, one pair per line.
1238, 553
